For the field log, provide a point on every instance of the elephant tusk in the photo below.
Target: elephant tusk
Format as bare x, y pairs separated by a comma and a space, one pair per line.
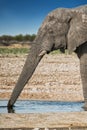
42, 53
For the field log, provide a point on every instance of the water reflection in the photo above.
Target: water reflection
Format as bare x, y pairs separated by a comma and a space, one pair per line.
41, 107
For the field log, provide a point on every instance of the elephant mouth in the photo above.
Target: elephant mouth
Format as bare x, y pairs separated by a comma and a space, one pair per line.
50, 46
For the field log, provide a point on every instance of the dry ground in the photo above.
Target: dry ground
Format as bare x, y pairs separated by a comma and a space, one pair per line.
57, 77
44, 121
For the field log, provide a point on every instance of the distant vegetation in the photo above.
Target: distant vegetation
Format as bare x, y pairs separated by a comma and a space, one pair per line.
15, 44
15, 51
7, 40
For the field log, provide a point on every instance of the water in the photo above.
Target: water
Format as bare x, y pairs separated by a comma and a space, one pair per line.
28, 106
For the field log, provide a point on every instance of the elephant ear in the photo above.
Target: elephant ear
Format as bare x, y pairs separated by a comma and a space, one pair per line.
77, 34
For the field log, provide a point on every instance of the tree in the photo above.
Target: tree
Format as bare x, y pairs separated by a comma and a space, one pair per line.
19, 37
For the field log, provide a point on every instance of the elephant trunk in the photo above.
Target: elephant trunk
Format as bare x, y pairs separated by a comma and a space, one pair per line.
30, 65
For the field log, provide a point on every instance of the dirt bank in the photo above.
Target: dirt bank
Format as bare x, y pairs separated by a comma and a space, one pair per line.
56, 78
46, 121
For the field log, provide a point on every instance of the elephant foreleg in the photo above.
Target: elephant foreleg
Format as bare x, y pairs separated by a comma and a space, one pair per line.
82, 54
83, 70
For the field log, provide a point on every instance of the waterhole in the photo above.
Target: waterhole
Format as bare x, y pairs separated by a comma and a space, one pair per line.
27, 106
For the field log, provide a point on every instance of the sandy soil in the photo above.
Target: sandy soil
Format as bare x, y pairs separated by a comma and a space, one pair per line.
44, 121
57, 77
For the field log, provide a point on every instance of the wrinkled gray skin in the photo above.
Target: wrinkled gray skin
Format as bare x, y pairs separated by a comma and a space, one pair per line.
62, 29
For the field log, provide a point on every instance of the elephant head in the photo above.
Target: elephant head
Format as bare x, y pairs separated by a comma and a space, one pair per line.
62, 29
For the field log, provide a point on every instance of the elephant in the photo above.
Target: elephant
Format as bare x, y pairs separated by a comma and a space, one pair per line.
63, 28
